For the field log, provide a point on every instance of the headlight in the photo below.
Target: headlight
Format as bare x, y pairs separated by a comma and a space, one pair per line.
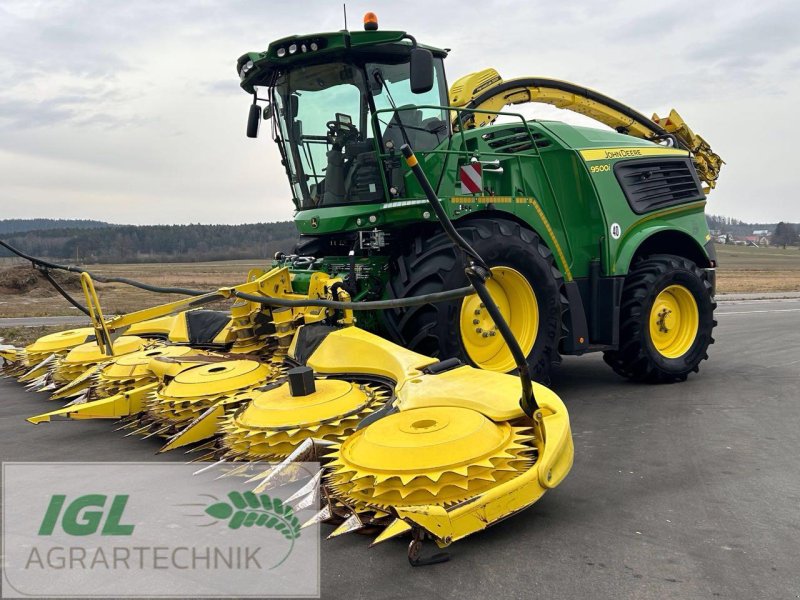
292, 48
281, 52
314, 46
245, 68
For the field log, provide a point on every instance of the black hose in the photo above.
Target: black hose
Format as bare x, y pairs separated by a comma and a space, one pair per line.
265, 300
571, 88
527, 401
102, 278
447, 296
46, 272
477, 273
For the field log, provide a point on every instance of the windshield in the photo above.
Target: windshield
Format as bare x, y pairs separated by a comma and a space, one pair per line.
425, 128
307, 99
323, 126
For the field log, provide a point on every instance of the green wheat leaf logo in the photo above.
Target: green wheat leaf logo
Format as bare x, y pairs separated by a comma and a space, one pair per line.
248, 510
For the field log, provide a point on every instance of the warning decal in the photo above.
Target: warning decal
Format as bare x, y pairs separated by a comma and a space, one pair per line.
471, 178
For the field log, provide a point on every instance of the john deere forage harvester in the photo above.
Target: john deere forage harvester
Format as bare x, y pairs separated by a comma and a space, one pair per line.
597, 239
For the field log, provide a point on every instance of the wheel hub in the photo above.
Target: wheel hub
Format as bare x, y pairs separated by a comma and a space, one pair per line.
674, 321
516, 301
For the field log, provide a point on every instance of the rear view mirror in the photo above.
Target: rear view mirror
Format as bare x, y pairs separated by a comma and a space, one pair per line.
253, 121
266, 114
421, 70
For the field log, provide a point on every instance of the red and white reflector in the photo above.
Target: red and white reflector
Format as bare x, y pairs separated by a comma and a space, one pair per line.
471, 178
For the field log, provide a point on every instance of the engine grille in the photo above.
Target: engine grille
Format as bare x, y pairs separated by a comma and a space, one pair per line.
514, 139
650, 185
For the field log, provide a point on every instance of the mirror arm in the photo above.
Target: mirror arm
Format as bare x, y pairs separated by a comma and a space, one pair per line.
408, 36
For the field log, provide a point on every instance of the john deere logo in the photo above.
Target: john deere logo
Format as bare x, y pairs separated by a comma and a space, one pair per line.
85, 514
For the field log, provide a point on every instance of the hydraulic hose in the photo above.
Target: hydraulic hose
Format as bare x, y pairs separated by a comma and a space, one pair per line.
477, 273
409, 301
101, 278
406, 302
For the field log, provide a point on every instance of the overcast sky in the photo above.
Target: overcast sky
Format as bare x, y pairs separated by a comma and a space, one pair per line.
131, 112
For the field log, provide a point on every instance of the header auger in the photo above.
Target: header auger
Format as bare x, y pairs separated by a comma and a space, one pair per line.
403, 343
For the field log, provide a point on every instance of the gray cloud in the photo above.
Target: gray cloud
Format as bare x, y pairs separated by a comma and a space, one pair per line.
131, 111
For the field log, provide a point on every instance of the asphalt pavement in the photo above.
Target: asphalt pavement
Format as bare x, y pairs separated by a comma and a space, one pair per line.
681, 491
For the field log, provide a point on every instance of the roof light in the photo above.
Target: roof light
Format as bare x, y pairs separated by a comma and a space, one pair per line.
292, 48
370, 22
281, 52
314, 46
245, 68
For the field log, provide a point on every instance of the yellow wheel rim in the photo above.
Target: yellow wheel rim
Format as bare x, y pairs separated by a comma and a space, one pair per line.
517, 302
674, 321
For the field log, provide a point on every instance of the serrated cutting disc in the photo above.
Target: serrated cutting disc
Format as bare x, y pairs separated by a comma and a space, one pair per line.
275, 422
433, 455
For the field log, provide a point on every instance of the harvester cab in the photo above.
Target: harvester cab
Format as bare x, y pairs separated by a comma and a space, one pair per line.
323, 92
597, 239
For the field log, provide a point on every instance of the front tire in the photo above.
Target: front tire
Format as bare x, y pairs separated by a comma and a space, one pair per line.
525, 284
666, 320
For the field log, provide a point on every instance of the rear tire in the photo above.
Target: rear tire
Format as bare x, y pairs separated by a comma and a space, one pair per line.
666, 320
523, 268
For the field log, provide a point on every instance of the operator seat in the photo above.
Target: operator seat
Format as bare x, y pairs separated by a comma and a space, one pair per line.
423, 134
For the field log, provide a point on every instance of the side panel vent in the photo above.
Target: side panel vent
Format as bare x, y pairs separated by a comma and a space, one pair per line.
514, 139
650, 185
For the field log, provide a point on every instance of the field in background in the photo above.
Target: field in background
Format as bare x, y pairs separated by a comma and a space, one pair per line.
741, 269
118, 298
749, 269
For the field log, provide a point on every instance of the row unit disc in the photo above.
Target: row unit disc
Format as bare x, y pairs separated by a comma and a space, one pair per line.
60, 342
197, 388
432, 455
275, 422
87, 355
133, 370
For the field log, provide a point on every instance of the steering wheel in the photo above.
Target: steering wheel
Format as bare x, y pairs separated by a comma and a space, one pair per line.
340, 133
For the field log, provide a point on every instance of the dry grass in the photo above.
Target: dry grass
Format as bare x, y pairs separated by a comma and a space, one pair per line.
22, 336
741, 269
118, 298
749, 269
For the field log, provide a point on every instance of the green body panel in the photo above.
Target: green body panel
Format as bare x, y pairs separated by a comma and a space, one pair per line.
556, 179
550, 189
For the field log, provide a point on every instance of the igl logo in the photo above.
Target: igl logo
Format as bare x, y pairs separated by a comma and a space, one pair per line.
77, 519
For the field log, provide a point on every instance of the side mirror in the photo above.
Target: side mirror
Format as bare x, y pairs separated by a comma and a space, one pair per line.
266, 114
421, 70
253, 120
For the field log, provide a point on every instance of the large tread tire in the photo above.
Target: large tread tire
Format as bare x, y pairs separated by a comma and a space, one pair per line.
430, 264
637, 358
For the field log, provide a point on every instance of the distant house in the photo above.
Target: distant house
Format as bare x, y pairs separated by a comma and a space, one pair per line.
756, 240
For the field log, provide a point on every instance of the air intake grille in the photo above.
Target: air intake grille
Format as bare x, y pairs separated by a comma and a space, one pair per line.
653, 184
514, 139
